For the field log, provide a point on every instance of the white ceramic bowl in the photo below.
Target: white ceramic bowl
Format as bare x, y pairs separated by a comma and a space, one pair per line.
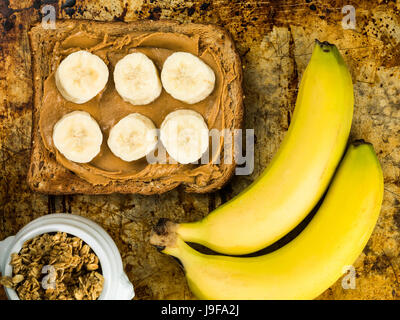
116, 284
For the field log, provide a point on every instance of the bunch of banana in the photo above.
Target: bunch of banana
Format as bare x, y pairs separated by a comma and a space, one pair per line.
283, 195
311, 262
299, 173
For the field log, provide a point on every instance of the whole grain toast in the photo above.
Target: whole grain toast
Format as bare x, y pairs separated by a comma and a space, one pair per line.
47, 175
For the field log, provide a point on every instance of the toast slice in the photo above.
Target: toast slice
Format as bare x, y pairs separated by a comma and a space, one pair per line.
47, 175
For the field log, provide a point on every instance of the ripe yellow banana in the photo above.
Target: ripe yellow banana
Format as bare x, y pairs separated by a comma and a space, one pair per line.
310, 263
299, 173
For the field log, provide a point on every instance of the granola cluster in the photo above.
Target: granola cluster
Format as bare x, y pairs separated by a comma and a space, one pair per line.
55, 267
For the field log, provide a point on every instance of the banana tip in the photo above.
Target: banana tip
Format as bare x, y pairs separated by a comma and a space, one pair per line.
360, 142
325, 45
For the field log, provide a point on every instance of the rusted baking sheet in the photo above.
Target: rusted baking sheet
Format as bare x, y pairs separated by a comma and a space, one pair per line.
275, 40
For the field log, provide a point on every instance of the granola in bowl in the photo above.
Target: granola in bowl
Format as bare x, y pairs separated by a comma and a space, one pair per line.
55, 266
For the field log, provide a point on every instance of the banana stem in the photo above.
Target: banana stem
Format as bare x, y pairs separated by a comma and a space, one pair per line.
164, 234
191, 232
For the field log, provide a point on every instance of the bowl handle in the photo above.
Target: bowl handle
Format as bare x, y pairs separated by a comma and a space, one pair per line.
125, 289
4, 245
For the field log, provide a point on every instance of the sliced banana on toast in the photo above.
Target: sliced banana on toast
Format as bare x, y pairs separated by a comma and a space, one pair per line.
187, 78
184, 134
81, 76
136, 79
78, 137
133, 137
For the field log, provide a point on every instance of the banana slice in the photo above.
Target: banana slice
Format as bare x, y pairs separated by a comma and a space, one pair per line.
81, 76
133, 137
187, 78
78, 137
184, 134
136, 79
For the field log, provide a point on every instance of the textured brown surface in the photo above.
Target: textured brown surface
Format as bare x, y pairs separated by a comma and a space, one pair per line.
275, 40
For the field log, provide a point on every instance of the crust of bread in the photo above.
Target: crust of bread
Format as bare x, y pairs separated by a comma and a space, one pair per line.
48, 176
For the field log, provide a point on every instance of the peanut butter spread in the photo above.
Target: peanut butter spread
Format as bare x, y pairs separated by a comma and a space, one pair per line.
108, 107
